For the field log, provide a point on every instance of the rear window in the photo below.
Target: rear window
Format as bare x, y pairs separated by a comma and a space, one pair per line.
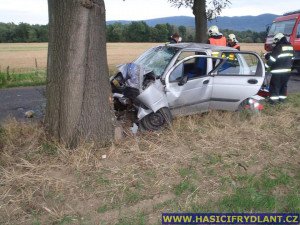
285, 27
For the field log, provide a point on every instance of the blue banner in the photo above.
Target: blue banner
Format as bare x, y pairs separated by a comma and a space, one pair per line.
230, 218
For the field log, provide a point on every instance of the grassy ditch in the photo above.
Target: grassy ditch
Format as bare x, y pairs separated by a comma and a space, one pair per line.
8, 79
215, 162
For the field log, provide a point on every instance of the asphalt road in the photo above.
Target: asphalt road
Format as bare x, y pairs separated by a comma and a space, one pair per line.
17, 101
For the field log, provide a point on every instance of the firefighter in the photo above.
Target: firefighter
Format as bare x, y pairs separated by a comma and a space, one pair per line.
215, 37
174, 39
232, 42
279, 63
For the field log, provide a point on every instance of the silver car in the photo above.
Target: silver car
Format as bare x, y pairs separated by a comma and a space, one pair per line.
188, 78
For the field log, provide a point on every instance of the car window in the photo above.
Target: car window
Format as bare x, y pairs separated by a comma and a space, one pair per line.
193, 68
184, 55
241, 64
298, 31
177, 73
285, 27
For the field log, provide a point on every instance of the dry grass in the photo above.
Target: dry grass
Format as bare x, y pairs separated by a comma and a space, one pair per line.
42, 182
21, 57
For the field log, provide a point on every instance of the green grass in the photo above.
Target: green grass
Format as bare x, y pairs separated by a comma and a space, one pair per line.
259, 194
22, 48
22, 79
185, 186
138, 219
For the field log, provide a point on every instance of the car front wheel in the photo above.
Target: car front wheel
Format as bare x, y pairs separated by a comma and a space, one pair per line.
155, 121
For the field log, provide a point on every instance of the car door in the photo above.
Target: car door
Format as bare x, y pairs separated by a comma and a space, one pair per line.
239, 78
188, 85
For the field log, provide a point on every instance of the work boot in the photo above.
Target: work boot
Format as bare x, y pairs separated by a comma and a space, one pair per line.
282, 100
273, 102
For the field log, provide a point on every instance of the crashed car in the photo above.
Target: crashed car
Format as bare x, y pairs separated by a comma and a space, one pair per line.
188, 78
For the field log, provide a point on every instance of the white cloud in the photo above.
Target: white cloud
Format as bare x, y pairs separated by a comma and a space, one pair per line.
142, 9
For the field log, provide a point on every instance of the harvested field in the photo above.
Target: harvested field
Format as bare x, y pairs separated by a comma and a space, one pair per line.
20, 57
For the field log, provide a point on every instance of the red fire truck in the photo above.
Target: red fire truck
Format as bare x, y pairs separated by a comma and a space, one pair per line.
289, 25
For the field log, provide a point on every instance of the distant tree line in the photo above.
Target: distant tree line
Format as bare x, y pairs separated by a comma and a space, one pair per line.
141, 32
23, 32
117, 32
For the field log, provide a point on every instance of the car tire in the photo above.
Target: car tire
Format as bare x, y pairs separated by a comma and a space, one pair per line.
159, 120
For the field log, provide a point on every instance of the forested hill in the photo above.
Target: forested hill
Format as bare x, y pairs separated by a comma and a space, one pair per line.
237, 23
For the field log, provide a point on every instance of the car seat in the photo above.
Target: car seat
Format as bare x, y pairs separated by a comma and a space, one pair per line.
199, 68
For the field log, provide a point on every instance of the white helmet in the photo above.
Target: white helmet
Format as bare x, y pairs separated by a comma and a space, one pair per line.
232, 37
277, 37
213, 30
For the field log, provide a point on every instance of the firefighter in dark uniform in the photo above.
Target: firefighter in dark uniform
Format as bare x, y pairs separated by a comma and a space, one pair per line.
215, 37
279, 63
174, 39
232, 42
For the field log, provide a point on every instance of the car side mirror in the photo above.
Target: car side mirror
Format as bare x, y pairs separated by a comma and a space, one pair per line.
183, 80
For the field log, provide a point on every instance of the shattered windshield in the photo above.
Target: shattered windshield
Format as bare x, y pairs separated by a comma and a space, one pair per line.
285, 27
156, 59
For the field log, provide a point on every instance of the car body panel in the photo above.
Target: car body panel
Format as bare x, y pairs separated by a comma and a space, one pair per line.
154, 97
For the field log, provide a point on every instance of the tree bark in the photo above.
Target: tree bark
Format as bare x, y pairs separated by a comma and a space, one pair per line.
199, 10
78, 89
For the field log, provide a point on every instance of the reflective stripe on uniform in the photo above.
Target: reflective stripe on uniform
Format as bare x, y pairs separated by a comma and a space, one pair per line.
286, 55
282, 97
266, 65
272, 58
274, 98
287, 48
216, 54
281, 70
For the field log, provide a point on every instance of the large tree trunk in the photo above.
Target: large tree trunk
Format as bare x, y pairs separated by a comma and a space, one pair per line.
78, 89
199, 10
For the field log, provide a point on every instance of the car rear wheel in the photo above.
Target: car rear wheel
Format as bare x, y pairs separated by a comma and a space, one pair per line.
155, 121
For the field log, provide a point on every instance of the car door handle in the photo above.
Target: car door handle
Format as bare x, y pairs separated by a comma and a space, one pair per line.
206, 82
252, 81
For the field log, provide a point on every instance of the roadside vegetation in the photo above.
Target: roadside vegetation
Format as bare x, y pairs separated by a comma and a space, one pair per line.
214, 162
22, 79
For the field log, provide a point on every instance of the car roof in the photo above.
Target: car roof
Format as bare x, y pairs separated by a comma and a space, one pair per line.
200, 46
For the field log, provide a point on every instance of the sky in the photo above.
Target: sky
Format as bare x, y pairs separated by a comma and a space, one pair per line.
36, 11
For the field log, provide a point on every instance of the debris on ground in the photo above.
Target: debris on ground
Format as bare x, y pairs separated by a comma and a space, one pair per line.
134, 128
29, 114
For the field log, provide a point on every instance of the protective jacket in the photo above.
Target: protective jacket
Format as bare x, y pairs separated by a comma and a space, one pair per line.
217, 40
171, 41
281, 58
280, 62
236, 46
